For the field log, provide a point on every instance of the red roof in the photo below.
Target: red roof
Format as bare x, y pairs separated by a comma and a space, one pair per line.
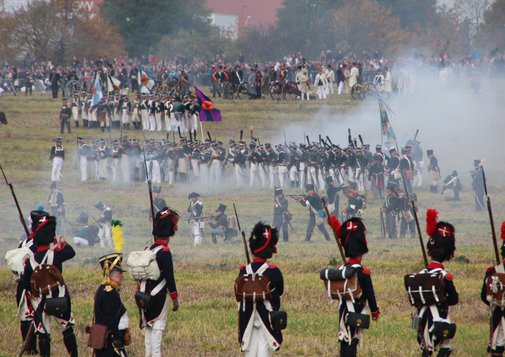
251, 13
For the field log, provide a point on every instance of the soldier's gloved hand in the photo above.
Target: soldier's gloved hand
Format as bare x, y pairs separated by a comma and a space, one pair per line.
376, 315
175, 302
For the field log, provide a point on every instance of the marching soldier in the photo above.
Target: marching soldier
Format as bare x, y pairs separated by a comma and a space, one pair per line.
333, 198
57, 157
353, 239
258, 330
441, 247
316, 212
433, 170
154, 312
407, 168
43, 300
281, 214
109, 309
478, 185
84, 154
492, 296
195, 211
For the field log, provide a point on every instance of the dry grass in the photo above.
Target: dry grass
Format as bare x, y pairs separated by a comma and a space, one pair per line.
206, 323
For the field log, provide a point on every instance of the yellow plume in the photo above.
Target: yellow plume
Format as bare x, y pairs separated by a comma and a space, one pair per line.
118, 236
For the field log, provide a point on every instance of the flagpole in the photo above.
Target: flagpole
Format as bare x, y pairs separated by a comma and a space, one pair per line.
201, 129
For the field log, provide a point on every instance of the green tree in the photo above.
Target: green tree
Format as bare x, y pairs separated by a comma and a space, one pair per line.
492, 32
143, 23
413, 14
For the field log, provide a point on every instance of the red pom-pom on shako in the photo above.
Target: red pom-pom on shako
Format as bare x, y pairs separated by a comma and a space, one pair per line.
335, 224
502, 235
431, 221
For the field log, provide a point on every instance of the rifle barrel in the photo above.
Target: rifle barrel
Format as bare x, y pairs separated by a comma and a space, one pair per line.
21, 217
491, 220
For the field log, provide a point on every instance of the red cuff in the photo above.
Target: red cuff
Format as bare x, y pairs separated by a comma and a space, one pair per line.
375, 315
173, 295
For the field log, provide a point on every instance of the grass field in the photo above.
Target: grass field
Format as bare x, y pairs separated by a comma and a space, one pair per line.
206, 324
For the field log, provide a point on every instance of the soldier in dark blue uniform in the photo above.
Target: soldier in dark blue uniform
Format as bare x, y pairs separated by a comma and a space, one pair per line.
391, 208
478, 185
333, 198
154, 316
281, 213
352, 237
257, 335
109, 309
65, 115
316, 212
441, 247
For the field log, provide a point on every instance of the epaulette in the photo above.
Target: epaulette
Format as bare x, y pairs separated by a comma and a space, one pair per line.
490, 269
448, 277
242, 266
367, 271
272, 266
108, 288
165, 249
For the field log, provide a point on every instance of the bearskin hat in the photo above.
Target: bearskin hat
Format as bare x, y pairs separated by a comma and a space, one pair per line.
165, 223
353, 238
46, 230
35, 216
263, 240
442, 242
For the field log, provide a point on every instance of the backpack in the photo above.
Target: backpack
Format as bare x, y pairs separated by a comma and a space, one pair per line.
15, 259
46, 278
495, 287
425, 288
142, 264
341, 283
253, 286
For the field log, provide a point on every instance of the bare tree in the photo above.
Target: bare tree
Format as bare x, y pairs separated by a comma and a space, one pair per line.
473, 11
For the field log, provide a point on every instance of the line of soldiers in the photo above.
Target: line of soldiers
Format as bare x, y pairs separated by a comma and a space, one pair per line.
148, 112
254, 164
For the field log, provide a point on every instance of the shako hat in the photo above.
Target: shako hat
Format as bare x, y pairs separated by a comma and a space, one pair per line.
221, 208
263, 240
353, 238
329, 179
193, 195
111, 262
442, 242
45, 231
156, 189
278, 191
429, 152
309, 187
165, 223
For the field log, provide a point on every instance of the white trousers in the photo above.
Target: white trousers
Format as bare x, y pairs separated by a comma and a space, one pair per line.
258, 347
105, 235
56, 170
83, 165
321, 92
154, 334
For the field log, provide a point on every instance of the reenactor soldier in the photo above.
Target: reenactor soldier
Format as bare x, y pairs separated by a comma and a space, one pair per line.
57, 157
492, 294
259, 327
109, 310
376, 174
104, 225
391, 208
356, 203
281, 214
352, 237
478, 185
219, 224
452, 183
407, 168
433, 170
152, 295
195, 211
75, 109
49, 295
407, 220
65, 115
333, 198
56, 203
316, 212
441, 247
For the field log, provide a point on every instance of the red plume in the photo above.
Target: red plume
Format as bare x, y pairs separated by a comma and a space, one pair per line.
335, 224
431, 221
502, 236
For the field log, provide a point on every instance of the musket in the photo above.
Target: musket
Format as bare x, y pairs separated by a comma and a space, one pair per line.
448, 183
308, 141
251, 132
22, 220
241, 134
414, 212
383, 225
243, 235
319, 139
179, 131
335, 233
150, 188
210, 137
491, 220
415, 136
28, 337
328, 138
349, 137
361, 140
285, 141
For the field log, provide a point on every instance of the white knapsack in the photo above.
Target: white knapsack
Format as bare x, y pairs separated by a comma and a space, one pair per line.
16, 258
142, 264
